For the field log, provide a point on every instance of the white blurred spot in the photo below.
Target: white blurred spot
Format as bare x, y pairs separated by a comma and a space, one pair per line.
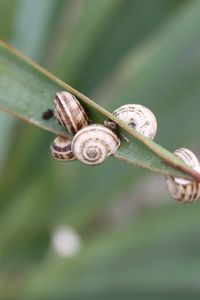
65, 241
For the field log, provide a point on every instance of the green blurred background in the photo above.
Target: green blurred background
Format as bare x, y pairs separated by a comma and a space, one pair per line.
68, 231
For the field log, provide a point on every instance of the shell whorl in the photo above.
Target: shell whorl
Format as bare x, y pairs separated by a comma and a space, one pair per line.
184, 190
61, 149
94, 143
69, 112
139, 117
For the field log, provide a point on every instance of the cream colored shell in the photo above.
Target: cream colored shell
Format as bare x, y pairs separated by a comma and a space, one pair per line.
61, 149
94, 143
69, 113
139, 117
181, 189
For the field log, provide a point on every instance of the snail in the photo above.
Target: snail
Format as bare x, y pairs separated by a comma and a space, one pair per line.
94, 143
137, 116
184, 190
61, 149
69, 113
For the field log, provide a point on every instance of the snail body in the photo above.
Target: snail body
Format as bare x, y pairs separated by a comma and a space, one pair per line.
137, 116
184, 190
94, 143
61, 149
69, 112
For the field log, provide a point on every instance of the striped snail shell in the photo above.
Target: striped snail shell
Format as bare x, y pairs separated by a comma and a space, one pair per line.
184, 190
94, 143
137, 116
61, 149
69, 113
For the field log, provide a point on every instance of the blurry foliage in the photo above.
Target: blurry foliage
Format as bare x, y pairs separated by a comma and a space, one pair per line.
116, 51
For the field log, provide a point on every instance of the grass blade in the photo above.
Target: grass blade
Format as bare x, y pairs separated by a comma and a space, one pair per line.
26, 90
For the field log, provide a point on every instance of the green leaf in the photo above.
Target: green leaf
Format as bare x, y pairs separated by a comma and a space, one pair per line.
150, 252
27, 90
39, 19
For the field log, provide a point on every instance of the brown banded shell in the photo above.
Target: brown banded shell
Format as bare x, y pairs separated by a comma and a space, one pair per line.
61, 149
137, 116
94, 143
184, 190
69, 112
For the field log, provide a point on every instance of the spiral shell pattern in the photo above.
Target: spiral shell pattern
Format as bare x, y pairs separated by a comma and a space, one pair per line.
184, 190
69, 112
61, 149
94, 143
139, 117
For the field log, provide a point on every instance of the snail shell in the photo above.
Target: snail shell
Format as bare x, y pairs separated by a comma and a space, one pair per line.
61, 149
94, 143
69, 113
137, 116
184, 190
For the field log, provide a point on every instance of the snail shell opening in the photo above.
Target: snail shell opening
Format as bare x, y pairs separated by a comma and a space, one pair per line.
139, 117
69, 112
61, 149
181, 189
94, 143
